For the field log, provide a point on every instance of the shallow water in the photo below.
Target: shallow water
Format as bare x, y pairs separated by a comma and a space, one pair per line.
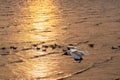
29, 20
29, 30
25, 26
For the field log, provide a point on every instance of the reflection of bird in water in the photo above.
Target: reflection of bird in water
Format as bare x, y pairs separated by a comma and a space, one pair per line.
75, 53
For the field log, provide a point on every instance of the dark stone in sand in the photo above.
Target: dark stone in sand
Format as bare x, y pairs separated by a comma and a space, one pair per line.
3, 48
58, 46
7, 26
53, 46
44, 46
117, 79
119, 46
44, 50
70, 44
63, 50
98, 24
13, 47
34, 45
114, 47
43, 42
91, 45
38, 48
2, 27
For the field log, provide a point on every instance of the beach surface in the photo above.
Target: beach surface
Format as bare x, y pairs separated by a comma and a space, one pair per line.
33, 34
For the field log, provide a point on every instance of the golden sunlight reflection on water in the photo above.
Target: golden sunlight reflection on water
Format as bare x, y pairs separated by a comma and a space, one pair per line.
43, 19
31, 21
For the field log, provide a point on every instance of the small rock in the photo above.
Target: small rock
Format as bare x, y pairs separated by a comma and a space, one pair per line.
42, 42
91, 45
114, 47
44, 50
57, 46
2, 27
34, 45
44, 46
53, 46
63, 50
3, 48
12, 47
119, 46
117, 79
70, 44
38, 48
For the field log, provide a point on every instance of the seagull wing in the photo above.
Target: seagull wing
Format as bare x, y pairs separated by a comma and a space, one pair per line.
75, 55
83, 52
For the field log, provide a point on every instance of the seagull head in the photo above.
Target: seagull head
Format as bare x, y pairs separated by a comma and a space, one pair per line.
70, 47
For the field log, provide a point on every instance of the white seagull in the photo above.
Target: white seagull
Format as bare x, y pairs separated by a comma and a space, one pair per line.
75, 53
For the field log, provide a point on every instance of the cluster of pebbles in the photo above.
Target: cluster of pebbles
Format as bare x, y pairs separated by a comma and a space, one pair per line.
44, 47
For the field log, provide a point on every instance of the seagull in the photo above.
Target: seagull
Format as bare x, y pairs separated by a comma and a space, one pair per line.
69, 48
75, 53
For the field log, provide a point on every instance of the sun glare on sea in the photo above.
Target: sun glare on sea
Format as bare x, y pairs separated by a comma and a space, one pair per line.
43, 19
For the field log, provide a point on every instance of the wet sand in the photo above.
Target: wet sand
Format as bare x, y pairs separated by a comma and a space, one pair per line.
33, 34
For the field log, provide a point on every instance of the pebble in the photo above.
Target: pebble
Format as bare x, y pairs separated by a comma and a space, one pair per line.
91, 45
38, 48
53, 46
13, 47
115, 47
3, 48
34, 45
44, 46
117, 79
44, 50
